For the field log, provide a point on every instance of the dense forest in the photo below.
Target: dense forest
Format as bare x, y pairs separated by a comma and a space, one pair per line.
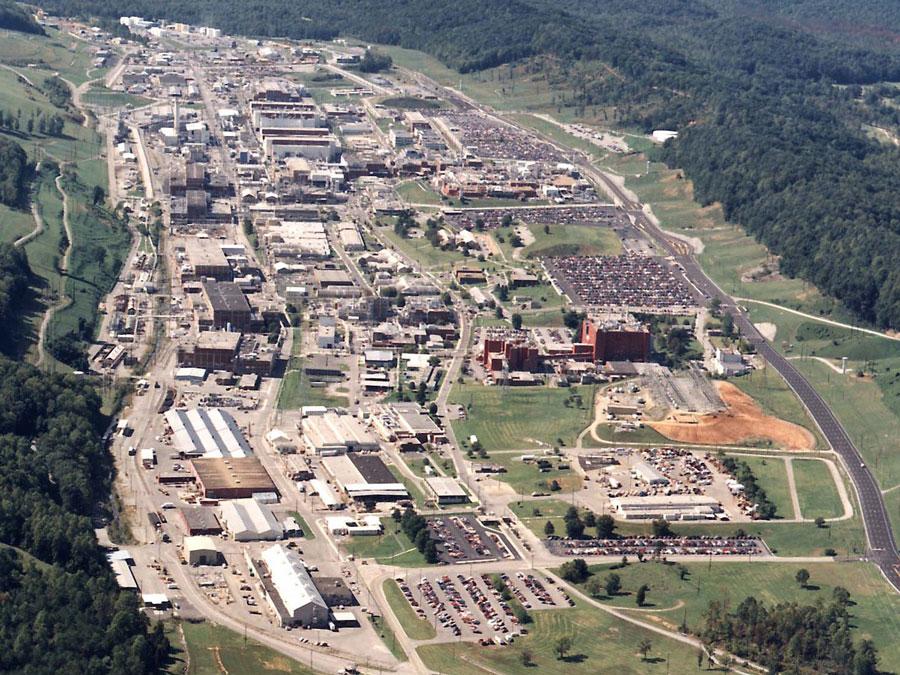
14, 17
15, 172
792, 638
15, 276
770, 96
61, 609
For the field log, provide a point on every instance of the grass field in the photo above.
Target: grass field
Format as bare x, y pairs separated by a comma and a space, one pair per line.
296, 391
55, 52
301, 521
560, 135
534, 514
428, 256
565, 240
816, 490
413, 626
523, 417
601, 644
102, 97
388, 637
14, 223
771, 475
214, 650
876, 614
418, 192
391, 548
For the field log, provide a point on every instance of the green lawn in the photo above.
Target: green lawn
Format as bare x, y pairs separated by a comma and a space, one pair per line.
876, 613
505, 418
564, 240
548, 509
771, 475
816, 489
296, 391
391, 548
601, 644
214, 650
422, 251
101, 97
418, 192
413, 626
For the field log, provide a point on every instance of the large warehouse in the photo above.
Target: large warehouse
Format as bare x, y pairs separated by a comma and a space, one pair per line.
248, 520
365, 478
233, 478
291, 591
206, 432
334, 434
668, 507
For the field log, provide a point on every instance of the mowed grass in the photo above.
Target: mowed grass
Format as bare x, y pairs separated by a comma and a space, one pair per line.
565, 240
301, 521
771, 475
101, 97
413, 626
816, 489
214, 650
418, 192
876, 614
391, 548
601, 644
506, 418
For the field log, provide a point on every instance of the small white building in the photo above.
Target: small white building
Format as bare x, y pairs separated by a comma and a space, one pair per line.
343, 525
202, 550
729, 363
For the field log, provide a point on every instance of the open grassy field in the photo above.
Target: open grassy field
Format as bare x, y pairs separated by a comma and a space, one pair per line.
558, 134
101, 97
771, 475
428, 256
296, 391
521, 417
14, 223
572, 240
601, 644
214, 650
55, 52
816, 490
876, 614
415, 628
418, 192
391, 548
534, 514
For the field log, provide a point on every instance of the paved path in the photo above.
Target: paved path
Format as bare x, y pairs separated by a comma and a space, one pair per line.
792, 487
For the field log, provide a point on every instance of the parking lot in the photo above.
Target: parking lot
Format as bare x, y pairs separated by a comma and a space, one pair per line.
473, 606
462, 539
650, 546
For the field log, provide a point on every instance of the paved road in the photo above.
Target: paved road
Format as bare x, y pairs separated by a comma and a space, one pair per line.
882, 546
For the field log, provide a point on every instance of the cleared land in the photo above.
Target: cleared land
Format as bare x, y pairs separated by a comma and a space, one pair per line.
563, 240
876, 613
297, 392
391, 548
744, 422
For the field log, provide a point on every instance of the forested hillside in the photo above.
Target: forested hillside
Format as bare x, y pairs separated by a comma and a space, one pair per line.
13, 17
771, 97
15, 173
61, 610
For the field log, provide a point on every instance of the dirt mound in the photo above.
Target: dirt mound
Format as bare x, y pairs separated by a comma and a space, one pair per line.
742, 422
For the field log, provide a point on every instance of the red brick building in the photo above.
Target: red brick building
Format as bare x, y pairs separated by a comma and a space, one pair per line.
615, 341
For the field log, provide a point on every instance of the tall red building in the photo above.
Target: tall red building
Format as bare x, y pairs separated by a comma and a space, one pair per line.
615, 340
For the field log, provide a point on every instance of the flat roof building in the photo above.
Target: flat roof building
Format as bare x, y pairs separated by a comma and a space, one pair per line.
667, 507
335, 434
446, 490
200, 520
228, 304
406, 421
206, 260
232, 478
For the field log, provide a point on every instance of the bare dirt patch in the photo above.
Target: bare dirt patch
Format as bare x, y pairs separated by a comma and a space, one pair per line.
742, 422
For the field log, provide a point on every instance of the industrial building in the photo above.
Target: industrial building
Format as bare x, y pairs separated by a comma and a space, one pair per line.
202, 550
233, 478
200, 520
206, 432
335, 434
364, 526
446, 490
364, 478
667, 507
228, 305
405, 422
649, 475
290, 590
248, 520
205, 259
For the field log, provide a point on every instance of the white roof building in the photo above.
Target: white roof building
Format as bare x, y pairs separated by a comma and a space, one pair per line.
291, 590
207, 432
334, 434
202, 550
248, 520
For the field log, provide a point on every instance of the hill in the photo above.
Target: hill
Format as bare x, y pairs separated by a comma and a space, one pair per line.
14, 17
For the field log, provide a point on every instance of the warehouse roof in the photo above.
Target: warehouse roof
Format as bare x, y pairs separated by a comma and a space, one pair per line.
226, 296
200, 543
237, 472
248, 516
443, 486
290, 578
203, 251
208, 432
